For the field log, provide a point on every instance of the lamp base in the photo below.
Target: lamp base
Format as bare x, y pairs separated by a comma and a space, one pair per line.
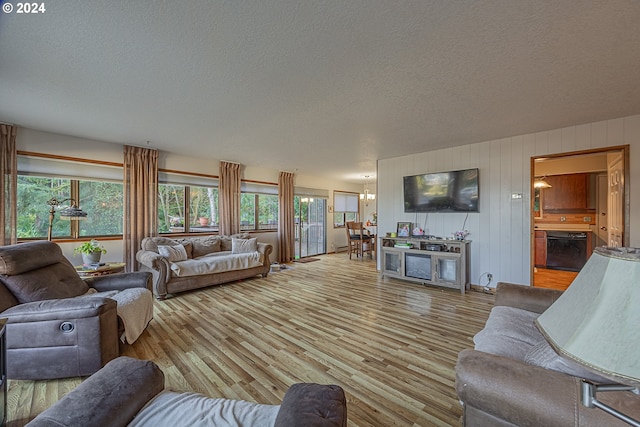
590, 390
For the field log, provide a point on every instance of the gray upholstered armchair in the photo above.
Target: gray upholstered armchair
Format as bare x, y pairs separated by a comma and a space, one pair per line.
56, 327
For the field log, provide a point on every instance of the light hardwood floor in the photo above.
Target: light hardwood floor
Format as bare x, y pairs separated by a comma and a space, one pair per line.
553, 279
391, 345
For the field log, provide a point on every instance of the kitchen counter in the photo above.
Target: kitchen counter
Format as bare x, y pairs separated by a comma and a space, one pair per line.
563, 227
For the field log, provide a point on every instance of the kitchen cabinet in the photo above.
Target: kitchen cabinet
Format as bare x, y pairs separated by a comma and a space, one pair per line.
540, 249
567, 192
409, 259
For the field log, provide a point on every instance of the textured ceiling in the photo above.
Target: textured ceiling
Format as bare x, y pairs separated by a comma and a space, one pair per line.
319, 87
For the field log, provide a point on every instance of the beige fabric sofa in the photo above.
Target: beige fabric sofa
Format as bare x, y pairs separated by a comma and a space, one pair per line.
210, 260
509, 379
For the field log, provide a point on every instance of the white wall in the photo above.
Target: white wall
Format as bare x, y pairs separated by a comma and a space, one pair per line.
501, 231
31, 140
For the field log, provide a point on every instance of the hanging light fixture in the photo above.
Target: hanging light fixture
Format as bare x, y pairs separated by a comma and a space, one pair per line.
540, 182
367, 196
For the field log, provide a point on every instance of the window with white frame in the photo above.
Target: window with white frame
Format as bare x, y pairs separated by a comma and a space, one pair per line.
345, 207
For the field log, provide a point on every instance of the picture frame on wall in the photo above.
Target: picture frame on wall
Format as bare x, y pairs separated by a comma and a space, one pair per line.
404, 229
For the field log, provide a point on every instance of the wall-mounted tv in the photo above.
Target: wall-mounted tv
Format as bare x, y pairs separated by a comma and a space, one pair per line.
455, 191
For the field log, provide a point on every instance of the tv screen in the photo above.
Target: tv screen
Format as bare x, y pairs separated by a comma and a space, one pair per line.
455, 191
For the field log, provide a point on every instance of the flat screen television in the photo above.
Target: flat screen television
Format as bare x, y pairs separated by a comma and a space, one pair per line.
455, 191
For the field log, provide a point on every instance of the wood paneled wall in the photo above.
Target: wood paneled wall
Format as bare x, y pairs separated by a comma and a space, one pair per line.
501, 231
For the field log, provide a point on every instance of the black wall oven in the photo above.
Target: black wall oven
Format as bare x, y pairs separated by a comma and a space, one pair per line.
566, 250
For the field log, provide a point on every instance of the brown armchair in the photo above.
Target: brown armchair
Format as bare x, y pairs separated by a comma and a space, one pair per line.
55, 329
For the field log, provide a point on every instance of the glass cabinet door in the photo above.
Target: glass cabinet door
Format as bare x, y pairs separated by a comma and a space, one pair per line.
448, 269
392, 262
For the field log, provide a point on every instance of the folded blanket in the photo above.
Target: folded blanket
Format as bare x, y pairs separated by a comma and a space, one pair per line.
135, 309
215, 263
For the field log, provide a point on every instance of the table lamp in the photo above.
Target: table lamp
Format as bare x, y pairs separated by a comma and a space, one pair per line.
595, 323
72, 213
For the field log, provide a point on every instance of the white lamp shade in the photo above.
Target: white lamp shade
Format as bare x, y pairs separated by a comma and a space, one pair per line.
596, 321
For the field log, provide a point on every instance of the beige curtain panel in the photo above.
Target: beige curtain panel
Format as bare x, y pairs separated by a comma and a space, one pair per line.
140, 200
229, 198
8, 184
286, 218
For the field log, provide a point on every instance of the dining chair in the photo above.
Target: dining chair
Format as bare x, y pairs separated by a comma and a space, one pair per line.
357, 237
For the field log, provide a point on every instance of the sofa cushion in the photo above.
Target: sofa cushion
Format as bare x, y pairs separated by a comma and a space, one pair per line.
217, 262
243, 246
194, 409
16, 259
545, 356
226, 242
7, 300
52, 282
509, 332
152, 243
205, 245
173, 253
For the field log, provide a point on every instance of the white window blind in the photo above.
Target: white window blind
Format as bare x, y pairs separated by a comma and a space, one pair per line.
345, 202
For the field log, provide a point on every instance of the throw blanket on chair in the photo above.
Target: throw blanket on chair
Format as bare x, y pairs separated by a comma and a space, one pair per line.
135, 309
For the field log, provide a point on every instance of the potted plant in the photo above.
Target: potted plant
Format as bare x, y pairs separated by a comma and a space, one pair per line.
91, 252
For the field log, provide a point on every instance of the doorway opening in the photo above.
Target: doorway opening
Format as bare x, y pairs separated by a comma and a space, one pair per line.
584, 194
310, 226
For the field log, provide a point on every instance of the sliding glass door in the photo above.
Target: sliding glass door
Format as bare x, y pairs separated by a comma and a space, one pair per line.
310, 226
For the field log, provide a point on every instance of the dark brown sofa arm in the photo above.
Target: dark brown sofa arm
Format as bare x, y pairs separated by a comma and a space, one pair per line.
527, 298
313, 405
110, 397
527, 395
120, 282
59, 309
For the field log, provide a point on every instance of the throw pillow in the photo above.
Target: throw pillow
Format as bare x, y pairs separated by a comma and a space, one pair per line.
186, 242
508, 332
226, 241
205, 245
243, 246
173, 253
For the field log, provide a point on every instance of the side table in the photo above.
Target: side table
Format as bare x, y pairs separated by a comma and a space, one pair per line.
103, 270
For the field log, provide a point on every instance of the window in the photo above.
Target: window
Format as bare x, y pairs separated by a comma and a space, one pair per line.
102, 200
203, 209
201, 212
258, 211
171, 208
346, 207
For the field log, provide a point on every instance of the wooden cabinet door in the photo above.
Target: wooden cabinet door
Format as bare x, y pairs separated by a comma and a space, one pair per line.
567, 192
540, 246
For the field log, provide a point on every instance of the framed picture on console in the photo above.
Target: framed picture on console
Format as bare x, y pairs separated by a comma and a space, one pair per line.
404, 229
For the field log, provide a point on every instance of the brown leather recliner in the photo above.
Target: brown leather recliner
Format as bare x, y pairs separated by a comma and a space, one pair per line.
505, 391
53, 329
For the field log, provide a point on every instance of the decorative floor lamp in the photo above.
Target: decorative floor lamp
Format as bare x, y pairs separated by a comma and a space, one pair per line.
72, 213
595, 323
